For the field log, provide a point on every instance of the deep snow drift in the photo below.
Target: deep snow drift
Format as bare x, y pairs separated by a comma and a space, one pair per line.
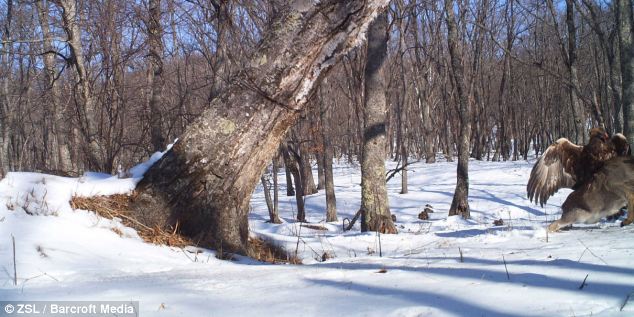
439, 267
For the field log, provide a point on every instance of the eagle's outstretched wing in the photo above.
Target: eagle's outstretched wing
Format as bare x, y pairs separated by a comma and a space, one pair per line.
555, 169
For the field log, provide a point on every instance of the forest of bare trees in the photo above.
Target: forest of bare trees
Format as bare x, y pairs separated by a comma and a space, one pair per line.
94, 85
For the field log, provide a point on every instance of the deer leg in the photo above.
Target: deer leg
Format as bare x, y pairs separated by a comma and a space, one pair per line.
555, 226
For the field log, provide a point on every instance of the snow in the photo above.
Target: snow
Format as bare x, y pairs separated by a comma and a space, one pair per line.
446, 266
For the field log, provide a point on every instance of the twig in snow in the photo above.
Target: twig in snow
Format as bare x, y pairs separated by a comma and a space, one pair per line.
627, 299
34, 277
596, 256
185, 253
299, 236
461, 258
583, 284
15, 266
380, 252
508, 277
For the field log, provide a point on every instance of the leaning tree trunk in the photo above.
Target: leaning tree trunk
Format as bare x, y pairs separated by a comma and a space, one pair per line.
204, 183
460, 203
374, 202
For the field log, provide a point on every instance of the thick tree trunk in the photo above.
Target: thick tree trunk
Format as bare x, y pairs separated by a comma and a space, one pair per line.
625, 29
374, 202
155, 73
460, 203
205, 181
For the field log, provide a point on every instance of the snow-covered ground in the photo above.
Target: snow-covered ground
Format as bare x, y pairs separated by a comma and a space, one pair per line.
441, 267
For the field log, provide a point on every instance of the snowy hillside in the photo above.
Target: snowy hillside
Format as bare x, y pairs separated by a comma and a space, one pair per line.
439, 267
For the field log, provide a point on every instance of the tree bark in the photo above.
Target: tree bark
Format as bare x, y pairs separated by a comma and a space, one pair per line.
575, 102
460, 203
291, 161
205, 181
266, 187
5, 109
290, 189
308, 181
85, 100
374, 201
625, 29
329, 185
59, 136
155, 73
276, 190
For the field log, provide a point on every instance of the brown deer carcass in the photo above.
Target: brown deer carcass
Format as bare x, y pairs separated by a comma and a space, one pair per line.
602, 195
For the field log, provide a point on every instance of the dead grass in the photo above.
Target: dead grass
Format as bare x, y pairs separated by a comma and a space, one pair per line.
266, 251
117, 206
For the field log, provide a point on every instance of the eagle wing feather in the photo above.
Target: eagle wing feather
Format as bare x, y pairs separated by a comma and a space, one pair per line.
554, 170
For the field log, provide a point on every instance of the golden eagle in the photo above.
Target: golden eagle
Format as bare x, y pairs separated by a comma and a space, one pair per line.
567, 165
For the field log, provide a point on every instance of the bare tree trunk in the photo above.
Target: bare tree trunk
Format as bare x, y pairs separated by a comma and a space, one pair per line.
155, 73
60, 143
5, 109
87, 109
625, 28
276, 190
266, 186
321, 177
331, 200
290, 189
308, 181
206, 180
291, 161
423, 103
460, 202
577, 107
374, 202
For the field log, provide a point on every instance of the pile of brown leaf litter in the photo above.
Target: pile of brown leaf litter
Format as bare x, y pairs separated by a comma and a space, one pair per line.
117, 206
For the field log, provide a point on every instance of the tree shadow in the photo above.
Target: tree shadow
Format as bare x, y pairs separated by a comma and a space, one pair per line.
537, 280
491, 197
468, 233
442, 302
499, 200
